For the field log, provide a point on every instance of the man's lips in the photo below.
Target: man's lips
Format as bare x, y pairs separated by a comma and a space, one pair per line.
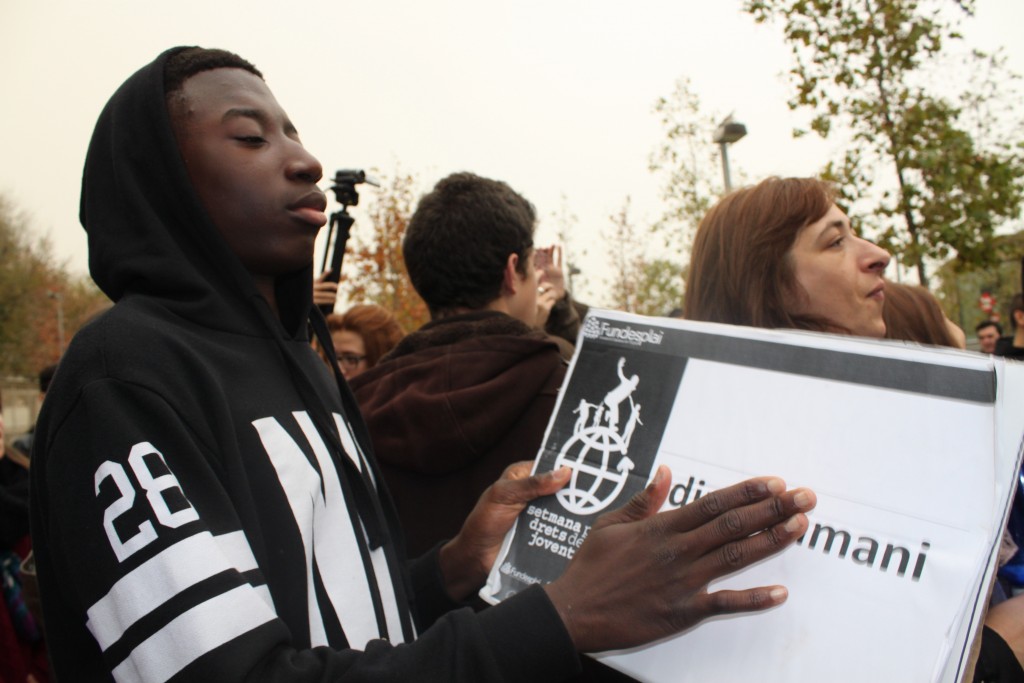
311, 208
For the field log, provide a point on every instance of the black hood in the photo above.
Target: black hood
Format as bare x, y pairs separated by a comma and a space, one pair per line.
149, 234
151, 240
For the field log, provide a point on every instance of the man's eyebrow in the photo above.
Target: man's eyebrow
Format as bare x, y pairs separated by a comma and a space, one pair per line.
245, 112
259, 116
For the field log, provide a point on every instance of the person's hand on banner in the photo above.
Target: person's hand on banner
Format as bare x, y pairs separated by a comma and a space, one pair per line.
467, 558
641, 576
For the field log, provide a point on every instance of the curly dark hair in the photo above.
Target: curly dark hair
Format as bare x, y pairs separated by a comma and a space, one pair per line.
459, 240
989, 323
186, 62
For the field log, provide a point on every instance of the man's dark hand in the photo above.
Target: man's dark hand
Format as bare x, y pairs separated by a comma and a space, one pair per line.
641, 576
467, 559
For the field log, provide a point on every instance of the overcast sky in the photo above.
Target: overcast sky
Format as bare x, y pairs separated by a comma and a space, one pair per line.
555, 97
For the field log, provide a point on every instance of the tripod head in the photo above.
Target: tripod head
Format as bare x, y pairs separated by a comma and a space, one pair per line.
344, 186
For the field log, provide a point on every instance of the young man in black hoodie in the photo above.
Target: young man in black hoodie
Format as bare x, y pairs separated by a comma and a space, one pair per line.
205, 506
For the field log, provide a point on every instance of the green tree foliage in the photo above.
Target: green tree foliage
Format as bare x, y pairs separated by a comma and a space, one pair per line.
960, 289
688, 162
639, 284
37, 294
374, 269
860, 67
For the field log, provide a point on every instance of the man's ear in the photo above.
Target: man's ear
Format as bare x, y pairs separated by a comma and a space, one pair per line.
512, 279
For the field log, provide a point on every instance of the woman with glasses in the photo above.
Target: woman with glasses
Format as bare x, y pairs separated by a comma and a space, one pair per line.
362, 336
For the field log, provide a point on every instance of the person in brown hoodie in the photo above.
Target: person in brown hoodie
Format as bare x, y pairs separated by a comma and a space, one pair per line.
471, 391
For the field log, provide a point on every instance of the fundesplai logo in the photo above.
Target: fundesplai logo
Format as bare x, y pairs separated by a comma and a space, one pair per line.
606, 330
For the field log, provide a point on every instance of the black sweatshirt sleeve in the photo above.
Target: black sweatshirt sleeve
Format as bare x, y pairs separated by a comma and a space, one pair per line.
148, 574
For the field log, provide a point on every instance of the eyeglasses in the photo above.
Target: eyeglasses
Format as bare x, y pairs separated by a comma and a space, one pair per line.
350, 360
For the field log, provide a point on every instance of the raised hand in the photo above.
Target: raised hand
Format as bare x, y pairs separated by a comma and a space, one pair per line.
547, 297
325, 293
551, 276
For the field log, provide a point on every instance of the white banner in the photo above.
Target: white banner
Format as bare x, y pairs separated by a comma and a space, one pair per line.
911, 451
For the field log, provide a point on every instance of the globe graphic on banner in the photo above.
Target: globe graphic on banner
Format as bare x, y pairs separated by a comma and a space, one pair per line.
593, 485
596, 452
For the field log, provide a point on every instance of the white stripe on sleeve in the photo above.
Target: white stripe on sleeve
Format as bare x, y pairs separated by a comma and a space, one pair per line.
203, 628
164, 576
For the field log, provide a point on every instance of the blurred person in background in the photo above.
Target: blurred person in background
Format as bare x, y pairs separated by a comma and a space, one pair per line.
471, 391
1012, 345
912, 313
988, 333
362, 336
22, 651
23, 444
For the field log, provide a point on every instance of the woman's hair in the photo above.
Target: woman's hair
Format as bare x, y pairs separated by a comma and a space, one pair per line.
740, 272
376, 325
912, 313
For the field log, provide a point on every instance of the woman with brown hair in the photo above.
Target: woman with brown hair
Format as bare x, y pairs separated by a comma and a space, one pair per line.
362, 336
781, 254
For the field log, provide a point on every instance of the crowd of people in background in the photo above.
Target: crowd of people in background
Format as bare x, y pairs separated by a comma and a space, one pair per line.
21, 634
449, 409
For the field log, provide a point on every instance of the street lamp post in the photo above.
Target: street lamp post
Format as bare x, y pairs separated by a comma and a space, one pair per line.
728, 131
